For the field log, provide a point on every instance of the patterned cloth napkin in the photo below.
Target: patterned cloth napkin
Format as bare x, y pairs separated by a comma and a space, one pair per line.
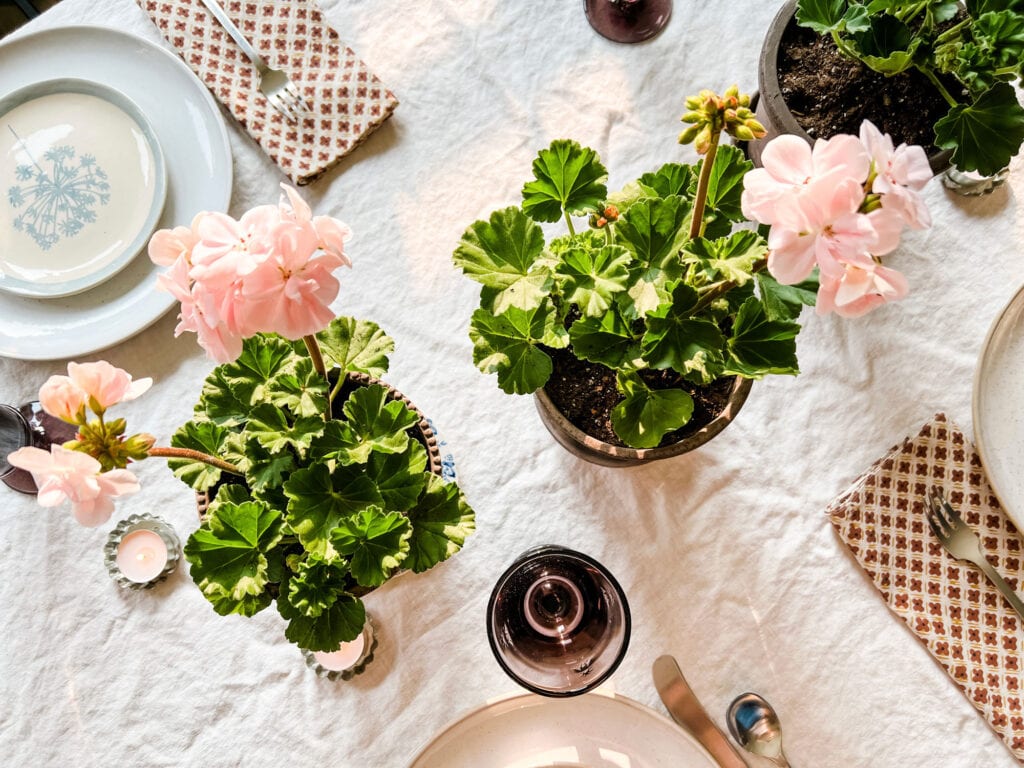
950, 605
348, 100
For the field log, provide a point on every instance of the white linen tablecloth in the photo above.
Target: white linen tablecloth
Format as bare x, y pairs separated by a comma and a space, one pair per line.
726, 554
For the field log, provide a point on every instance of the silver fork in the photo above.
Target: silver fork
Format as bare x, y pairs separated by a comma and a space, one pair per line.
280, 90
963, 544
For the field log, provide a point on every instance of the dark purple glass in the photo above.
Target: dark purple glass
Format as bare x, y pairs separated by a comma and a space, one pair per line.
628, 21
558, 622
28, 425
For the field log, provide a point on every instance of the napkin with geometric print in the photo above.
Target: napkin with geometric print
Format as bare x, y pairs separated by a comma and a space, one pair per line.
348, 100
961, 618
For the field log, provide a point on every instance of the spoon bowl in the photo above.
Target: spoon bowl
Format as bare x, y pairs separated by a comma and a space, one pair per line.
756, 727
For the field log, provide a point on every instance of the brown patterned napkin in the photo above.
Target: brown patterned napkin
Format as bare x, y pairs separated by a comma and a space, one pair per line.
348, 100
951, 606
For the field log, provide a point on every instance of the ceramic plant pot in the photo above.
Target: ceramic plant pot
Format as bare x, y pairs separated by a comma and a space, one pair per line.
579, 443
770, 107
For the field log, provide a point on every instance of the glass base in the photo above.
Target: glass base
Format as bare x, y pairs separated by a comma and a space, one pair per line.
628, 21
37, 428
972, 183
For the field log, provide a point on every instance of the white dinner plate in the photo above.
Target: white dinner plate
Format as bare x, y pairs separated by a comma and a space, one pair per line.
998, 408
85, 184
194, 140
593, 730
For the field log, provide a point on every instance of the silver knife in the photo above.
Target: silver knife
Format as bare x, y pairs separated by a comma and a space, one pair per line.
682, 704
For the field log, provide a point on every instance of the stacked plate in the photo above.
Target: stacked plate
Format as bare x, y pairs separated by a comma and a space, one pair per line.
104, 138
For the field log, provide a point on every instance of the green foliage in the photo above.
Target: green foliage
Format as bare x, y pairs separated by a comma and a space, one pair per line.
322, 509
632, 292
971, 56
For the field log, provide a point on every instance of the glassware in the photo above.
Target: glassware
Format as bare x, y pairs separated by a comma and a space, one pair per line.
972, 183
558, 622
628, 21
24, 426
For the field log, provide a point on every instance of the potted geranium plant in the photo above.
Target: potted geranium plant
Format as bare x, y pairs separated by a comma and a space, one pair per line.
958, 58
319, 482
666, 302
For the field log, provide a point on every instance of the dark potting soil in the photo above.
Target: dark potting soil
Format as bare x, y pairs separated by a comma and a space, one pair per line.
585, 393
829, 93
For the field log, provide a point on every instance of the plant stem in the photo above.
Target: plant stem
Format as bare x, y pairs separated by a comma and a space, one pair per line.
188, 453
938, 85
313, 346
568, 223
715, 290
953, 31
697, 224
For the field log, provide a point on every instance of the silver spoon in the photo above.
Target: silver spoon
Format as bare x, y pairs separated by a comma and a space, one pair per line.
756, 727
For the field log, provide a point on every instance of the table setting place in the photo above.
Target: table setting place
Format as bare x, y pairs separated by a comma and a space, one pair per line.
605, 383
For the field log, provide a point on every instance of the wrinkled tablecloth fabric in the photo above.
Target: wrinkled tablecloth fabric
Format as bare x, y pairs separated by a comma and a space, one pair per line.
726, 555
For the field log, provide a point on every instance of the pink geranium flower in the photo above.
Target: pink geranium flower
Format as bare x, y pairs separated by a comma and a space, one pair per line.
61, 397
99, 384
168, 246
860, 290
901, 173
66, 475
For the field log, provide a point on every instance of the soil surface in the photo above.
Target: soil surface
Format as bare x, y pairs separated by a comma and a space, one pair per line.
585, 393
829, 93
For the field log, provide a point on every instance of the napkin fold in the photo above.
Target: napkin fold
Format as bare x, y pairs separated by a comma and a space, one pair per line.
951, 606
349, 102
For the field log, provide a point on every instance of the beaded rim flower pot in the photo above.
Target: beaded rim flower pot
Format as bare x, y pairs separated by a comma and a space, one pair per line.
596, 451
770, 103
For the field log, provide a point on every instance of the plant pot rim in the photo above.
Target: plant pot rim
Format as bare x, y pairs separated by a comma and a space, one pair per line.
598, 451
770, 98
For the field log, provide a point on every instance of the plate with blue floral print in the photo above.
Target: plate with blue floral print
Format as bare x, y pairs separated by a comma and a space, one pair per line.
84, 185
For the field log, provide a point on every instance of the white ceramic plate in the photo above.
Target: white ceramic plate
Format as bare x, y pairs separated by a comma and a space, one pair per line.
593, 730
998, 407
85, 185
194, 140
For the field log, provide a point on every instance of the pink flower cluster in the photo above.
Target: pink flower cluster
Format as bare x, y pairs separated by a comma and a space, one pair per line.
269, 272
62, 474
839, 206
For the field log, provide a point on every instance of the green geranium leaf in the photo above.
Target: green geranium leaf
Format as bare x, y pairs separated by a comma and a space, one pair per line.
223, 403
997, 45
678, 341
319, 499
441, 521
646, 415
232, 493
654, 229
341, 623
315, 586
205, 437
567, 178
230, 555
785, 302
607, 339
858, 18
727, 258
507, 345
500, 254
376, 543
270, 426
302, 391
823, 16
265, 469
670, 180
760, 346
976, 8
725, 184
374, 424
358, 346
888, 46
400, 477
985, 135
264, 358
590, 279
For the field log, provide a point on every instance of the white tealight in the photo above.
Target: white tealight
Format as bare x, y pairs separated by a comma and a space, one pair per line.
141, 556
343, 658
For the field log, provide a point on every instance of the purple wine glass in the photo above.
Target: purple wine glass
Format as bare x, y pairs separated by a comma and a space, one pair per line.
20, 427
558, 622
628, 21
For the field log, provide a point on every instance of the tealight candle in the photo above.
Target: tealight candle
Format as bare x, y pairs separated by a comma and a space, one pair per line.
141, 551
141, 556
349, 660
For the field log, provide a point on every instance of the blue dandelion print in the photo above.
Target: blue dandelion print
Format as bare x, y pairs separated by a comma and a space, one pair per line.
57, 201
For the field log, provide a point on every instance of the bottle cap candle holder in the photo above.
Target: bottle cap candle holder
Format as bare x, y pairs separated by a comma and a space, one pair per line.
141, 551
349, 660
